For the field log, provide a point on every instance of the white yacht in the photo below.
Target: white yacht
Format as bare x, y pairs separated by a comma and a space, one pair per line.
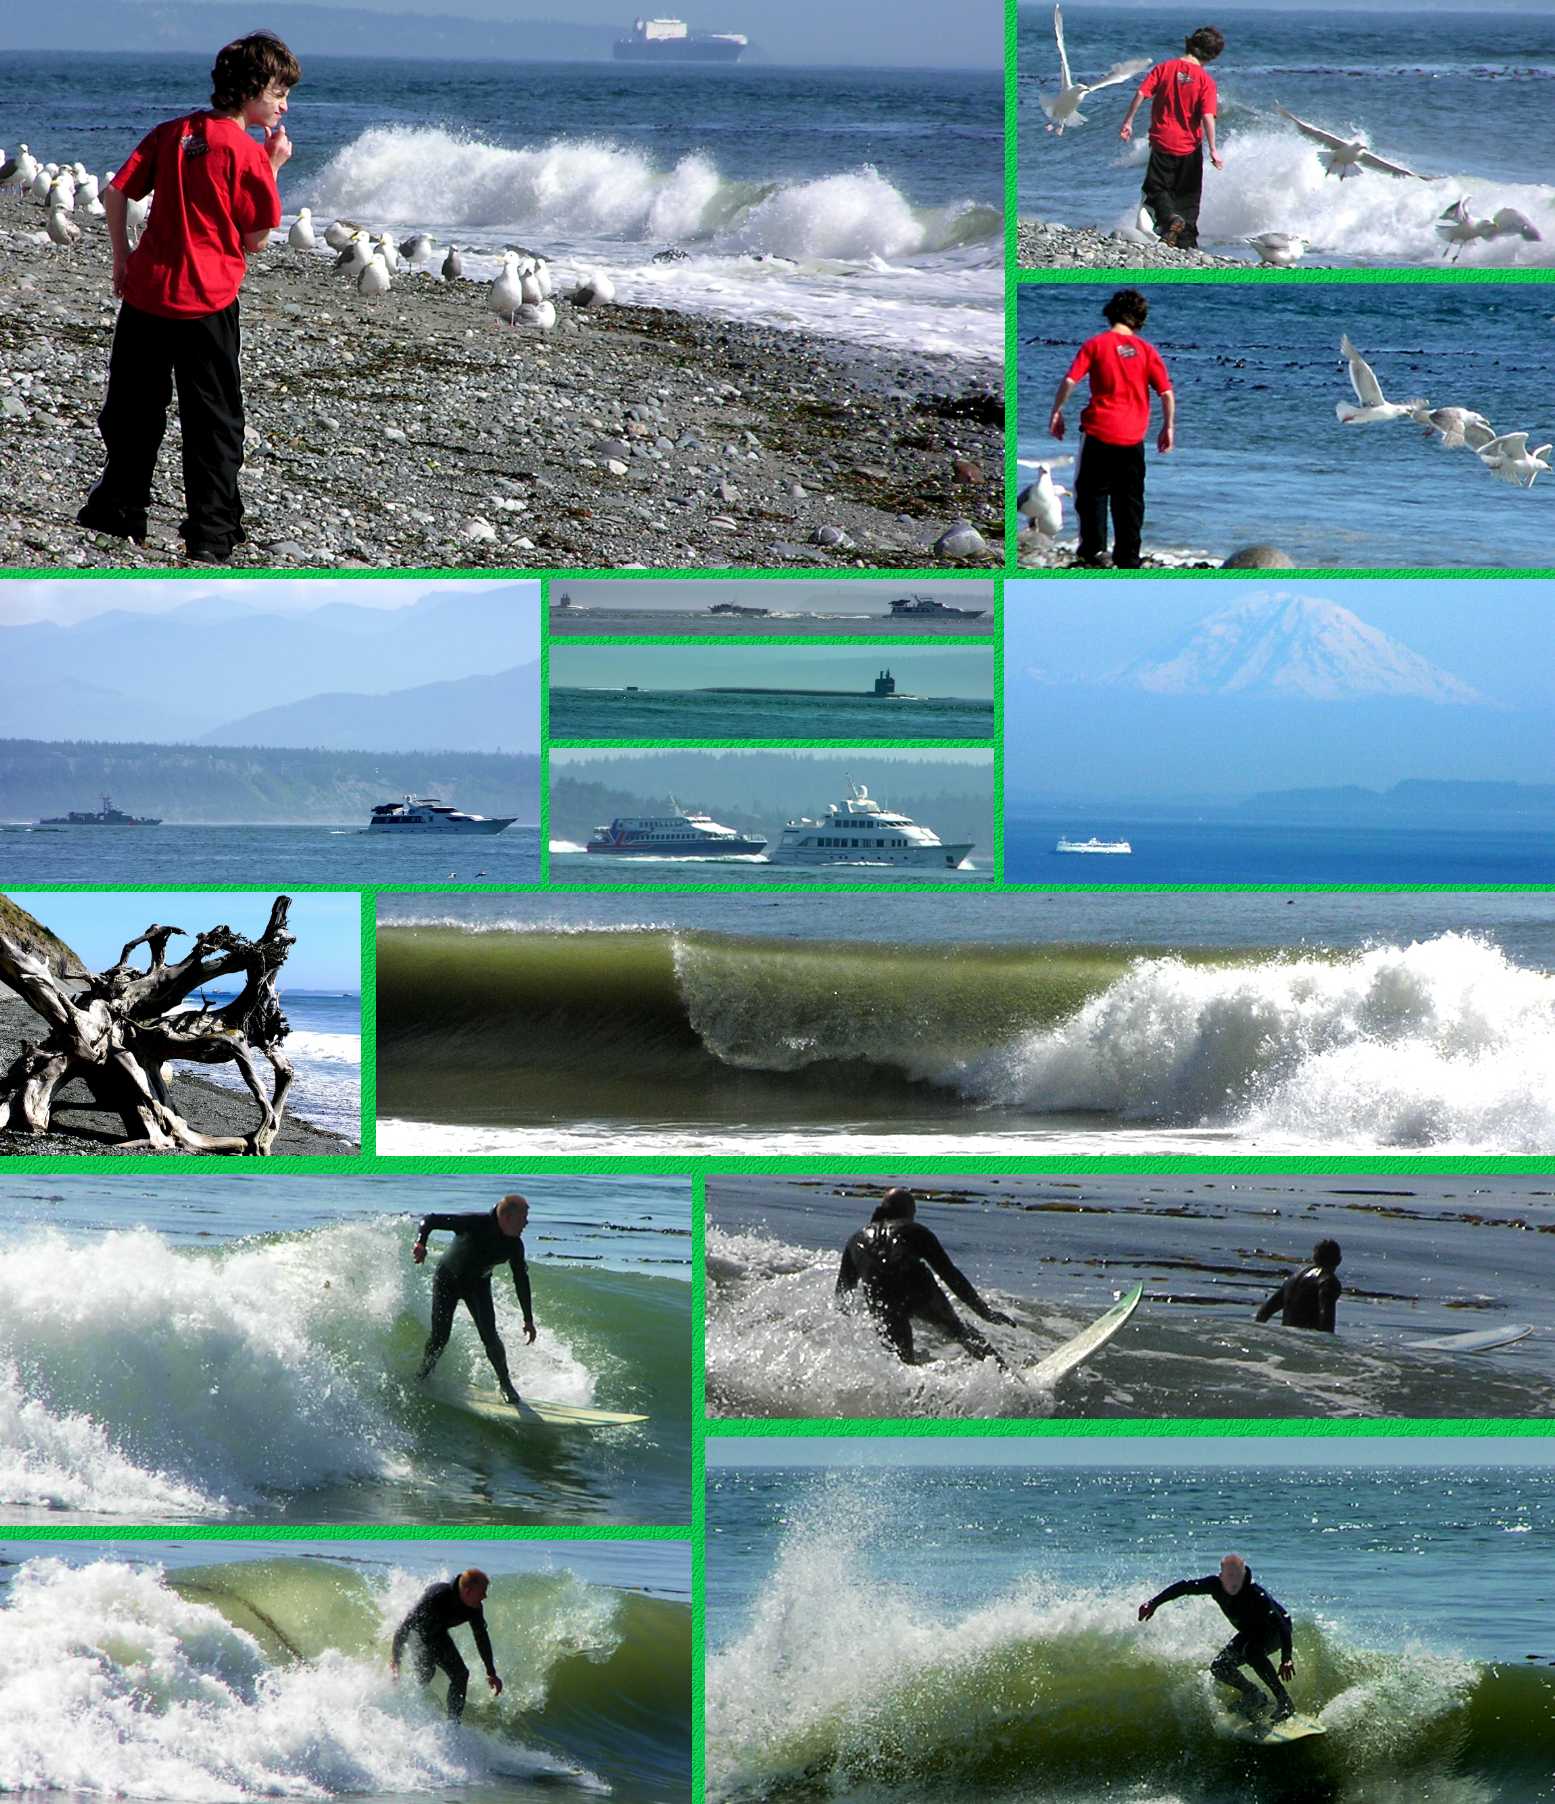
687, 833
1114, 847
426, 814
861, 831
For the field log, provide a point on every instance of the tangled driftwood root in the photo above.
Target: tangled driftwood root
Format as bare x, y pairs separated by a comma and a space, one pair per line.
121, 1031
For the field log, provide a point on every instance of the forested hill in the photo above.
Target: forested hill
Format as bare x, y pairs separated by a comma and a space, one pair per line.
255, 786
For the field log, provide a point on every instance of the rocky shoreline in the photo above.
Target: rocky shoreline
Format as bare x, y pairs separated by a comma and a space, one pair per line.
416, 430
92, 1132
1043, 246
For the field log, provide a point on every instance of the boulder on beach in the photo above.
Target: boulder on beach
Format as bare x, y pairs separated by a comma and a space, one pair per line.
1259, 557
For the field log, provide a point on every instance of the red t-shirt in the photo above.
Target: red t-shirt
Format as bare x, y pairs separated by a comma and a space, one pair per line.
213, 184
1183, 93
1123, 369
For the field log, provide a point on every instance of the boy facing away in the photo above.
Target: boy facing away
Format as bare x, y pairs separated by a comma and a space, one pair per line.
1183, 102
216, 204
1123, 368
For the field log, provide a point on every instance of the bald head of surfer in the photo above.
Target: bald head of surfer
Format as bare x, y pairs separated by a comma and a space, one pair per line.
513, 1214
473, 1586
1233, 1573
897, 1204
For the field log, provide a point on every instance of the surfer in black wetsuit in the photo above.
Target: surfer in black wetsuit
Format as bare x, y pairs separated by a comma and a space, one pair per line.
1307, 1298
442, 1607
481, 1243
891, 1261
1261, 1622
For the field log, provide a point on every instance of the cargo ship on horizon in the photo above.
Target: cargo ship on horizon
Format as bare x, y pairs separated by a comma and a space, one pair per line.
673, 41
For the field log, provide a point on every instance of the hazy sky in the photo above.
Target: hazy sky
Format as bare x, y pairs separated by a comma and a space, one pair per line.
926, 670
69, 602
664, 597
327, 956
1126, 1450
1481, 632
872, 756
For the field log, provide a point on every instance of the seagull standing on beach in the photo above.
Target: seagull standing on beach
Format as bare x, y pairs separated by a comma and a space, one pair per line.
340, 234
1345, 157
375, 276
356, 256
301, 237
1279, 248
418, 249
453, 264
1040, 501
506, 295
1510, 459
1368, 391
595, 290
1064, 109
1456, 426
62, 229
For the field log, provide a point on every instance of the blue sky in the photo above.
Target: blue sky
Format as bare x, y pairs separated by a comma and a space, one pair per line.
65, 603
96, 924
919, 670
1126, 1450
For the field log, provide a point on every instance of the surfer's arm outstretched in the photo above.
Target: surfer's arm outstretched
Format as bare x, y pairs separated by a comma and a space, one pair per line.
1200, 1587
483, 1648
956, 1281
433, 1224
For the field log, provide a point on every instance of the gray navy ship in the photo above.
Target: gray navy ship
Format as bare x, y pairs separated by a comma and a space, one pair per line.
673, 41
106, 816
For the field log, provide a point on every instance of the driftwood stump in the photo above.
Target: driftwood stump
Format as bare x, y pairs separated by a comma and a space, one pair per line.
121, 1031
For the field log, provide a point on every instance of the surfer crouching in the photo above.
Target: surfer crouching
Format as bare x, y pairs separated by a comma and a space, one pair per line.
1261, 1622
1307, 1298
463, 1275
442, 1607
891, 1261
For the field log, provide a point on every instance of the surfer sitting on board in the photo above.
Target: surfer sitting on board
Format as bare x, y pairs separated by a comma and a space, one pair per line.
442, 1607
891, 1261
1307, 1297
463, 1275
1261, 1623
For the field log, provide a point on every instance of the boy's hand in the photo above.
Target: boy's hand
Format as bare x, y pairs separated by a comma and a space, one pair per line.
1126, 131
1217, 162
1056, 424
1167, 441
121, 265
278, 147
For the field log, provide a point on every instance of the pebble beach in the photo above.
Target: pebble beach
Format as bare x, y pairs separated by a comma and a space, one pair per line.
416, 429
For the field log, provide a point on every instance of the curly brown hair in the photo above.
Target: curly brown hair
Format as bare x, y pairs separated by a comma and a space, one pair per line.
246, 67
1128, 307
1206, 43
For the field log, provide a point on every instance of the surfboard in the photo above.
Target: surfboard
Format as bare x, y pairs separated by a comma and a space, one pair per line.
1294, 1728
491, 1406
1084, 1344
1476, 1340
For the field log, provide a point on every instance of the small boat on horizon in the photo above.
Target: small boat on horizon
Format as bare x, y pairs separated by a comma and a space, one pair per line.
426, 814
1111, 847
106, 816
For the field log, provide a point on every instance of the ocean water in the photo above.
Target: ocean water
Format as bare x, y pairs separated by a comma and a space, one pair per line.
1424, 1258
1349, 1023
864, 205
346, 854
178, 1349
1456, 96
595, 715
781, 624
229, 1671
325, 1047
1262, 457
1221, 851
910, 1632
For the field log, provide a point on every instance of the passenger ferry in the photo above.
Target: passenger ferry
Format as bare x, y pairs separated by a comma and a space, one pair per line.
687, 833
426, 814
1113, 847
861, 831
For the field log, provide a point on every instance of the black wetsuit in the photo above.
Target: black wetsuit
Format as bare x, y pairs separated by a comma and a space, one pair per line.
1307, 1299
463, 1275
1262, 1623
887, 1261
439, 1609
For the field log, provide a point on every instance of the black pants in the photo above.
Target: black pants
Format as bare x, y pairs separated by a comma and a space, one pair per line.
1114, 473
1174, 187
477, 1298
931, 1305
435, 1651
150, 355
1243, 1650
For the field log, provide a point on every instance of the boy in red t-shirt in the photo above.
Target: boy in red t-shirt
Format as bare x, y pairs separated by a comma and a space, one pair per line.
1123, 369
1183, 102
216, 203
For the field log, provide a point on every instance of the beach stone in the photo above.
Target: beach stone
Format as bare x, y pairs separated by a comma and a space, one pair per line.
13, 408
477, 530
615, 466
828, 535
961, 540
286, 551
1259, 557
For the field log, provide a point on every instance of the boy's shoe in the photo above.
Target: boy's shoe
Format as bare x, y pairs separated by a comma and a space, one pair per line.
117, 522
1175, 227
199, 551
1101, 561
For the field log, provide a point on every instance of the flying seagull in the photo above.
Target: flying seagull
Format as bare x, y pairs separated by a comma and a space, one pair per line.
1456, 426
1345, 157
1064, 109
1511, 460
1368, 391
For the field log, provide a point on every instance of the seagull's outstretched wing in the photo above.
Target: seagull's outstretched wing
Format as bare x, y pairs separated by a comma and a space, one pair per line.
1458, 212
1510, 445
1368, 390
1063, 55
1368, 159
1315, 132
1119, 72
1509, 220
1478, 432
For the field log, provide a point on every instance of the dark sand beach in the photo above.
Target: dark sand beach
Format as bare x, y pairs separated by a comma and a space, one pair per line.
417, 430
91, 1133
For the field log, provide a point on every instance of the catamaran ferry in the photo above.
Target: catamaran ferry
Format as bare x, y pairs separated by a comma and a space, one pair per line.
861, 831
687, 833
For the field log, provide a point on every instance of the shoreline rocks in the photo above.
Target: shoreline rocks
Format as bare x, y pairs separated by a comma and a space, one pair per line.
1043, 246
